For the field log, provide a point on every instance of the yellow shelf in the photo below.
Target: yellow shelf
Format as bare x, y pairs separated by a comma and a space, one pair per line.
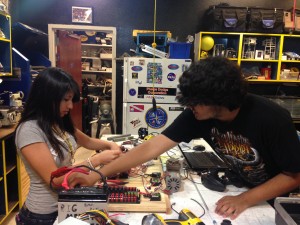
14, 181
238, 42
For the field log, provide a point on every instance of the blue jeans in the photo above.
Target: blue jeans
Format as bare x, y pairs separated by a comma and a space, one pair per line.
25, 217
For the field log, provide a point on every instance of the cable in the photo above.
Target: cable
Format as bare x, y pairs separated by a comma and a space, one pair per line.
207, 209
103, 178
173, 208
200, 206
154, 108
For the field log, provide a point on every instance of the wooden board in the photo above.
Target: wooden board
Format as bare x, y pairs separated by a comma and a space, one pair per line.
146, 205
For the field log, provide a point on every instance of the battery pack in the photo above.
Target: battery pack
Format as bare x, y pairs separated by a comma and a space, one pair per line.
76, 201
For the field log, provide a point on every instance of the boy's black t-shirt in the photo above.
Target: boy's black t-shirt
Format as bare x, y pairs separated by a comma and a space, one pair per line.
258, 144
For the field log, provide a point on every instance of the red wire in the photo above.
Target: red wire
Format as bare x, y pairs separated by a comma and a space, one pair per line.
65, 181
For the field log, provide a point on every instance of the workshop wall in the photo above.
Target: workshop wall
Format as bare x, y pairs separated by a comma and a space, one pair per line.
180, 17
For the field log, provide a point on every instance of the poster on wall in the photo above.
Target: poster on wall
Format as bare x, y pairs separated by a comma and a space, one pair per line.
82, 14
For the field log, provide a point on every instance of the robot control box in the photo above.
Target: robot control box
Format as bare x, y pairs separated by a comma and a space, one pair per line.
80, 200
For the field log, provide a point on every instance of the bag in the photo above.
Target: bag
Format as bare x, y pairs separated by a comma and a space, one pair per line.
226, 18
262, 20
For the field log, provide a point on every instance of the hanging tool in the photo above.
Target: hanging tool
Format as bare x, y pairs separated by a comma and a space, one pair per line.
154, 51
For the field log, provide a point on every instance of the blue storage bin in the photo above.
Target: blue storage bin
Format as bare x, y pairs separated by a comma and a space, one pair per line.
179, 50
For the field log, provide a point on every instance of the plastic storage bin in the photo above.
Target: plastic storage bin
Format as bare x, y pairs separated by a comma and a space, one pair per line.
291, 103
179, 50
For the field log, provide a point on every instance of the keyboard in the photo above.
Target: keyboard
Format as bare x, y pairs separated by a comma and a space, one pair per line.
203, 160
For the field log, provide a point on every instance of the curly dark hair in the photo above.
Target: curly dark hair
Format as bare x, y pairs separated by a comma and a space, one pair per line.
212, 81
43, 103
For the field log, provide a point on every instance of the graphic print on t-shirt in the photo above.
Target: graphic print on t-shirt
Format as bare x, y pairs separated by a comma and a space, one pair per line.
237, 151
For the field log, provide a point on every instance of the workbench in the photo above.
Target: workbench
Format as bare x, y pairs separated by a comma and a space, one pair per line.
187, 197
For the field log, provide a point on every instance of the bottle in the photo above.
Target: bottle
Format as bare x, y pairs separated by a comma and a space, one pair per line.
268, 72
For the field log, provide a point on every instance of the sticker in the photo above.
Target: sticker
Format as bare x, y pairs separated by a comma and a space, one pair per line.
142, 62
132, 92
154, 73
155, 96
171, 76
135, 75
138, 82
131, 63
135, 123
137, 68
176, 108
157, 91
156, 119
173, 66
136, 108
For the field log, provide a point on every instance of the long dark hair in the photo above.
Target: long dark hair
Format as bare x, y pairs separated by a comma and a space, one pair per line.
212, 81
43, 104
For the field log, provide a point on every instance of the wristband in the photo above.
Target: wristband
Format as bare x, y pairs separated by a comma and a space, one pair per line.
90, 163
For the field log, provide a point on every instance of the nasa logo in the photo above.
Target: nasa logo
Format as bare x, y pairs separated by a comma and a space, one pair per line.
132, 92
171, 76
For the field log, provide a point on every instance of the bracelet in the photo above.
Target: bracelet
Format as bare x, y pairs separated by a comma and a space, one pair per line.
90, 163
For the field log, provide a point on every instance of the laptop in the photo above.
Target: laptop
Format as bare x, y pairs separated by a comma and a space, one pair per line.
203, 160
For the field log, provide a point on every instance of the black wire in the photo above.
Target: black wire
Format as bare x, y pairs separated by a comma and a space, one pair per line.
173, 208
179, 147
200, 206
103, 178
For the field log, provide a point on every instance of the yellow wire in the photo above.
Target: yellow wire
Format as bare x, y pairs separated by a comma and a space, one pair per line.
154, 46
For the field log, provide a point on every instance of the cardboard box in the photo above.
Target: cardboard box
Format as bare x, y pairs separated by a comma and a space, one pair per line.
105, 55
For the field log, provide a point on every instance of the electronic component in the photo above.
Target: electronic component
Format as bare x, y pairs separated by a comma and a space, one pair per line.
155, 197
172, 176
123, 194
173, 164
156, 174
101, 216
173, 182
155, 181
